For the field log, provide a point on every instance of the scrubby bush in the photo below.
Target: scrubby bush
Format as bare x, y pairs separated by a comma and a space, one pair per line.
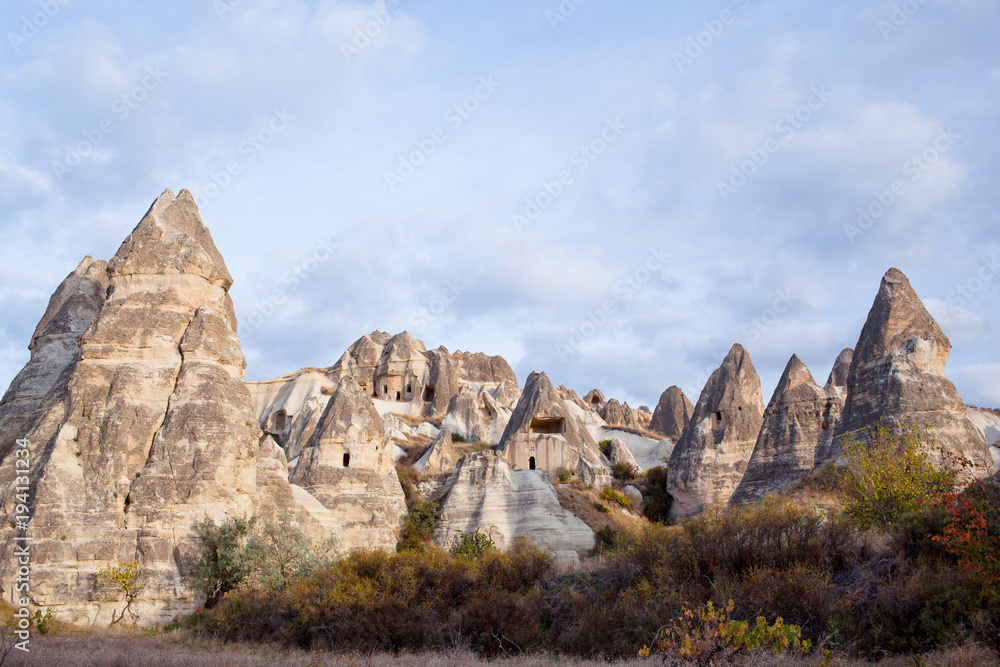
609, 494
624, 471
564, 474
418, 526
472, 545
887, 473
971, 529
657, 501
605, 446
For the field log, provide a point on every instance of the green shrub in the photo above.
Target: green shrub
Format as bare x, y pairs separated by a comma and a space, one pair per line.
600, 507
457, 437
657, 501
605, 446
887, 473
225, 559
607, 493
624, 471
472, 545
563, 474
418, 526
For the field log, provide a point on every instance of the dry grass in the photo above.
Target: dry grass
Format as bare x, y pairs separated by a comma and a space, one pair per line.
649, 435
104, 649
413, 421
580, 500
817, 489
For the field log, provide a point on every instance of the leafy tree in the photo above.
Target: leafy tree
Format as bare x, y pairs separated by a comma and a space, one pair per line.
887, 473
418, 526
657, 501
121, 577
972, 528
226, 557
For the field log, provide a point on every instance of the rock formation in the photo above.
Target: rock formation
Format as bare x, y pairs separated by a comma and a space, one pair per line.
442, 457
841, 369
545, 432
897, 374
595, 399
487, 496
55, 348
348, 467
619, 453
799, 421
672, 413
617, 415
712, 454
147, 430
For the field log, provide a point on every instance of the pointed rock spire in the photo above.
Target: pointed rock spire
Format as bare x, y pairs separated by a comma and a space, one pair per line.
897, 373
713, 451
672, 413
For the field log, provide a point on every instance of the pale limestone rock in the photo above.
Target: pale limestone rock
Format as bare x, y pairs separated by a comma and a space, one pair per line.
487, 496
672, 413
619, 453
55, 348
633, 494
546, 432
595, 400
897, 374
442, 457
348, 467
477, 416
712, 454
617, 415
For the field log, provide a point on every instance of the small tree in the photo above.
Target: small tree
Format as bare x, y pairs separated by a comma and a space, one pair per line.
972, 529
226, 557
121, 577
418, 526
887, 473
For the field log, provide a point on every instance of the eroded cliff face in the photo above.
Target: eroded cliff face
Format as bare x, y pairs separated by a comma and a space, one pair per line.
712, 454
147, 431
897, 374
672, 413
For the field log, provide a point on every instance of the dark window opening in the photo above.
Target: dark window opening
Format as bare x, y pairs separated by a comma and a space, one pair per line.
595, 400
385, 390
531, 463
542, 425
397, 395
409, 389
718, 416
347, 460
429, 392
280, 420
826, 424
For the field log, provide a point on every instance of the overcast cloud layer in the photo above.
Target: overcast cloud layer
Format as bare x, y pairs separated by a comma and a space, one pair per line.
612, 192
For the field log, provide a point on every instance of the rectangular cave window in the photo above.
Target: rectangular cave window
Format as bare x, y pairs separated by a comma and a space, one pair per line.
547, 425
409, 389
347, 460
531, 463
718, 416
397, 395
385, 390
280, 420
429, 392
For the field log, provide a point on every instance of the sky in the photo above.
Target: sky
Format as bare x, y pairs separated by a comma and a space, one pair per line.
611, 192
